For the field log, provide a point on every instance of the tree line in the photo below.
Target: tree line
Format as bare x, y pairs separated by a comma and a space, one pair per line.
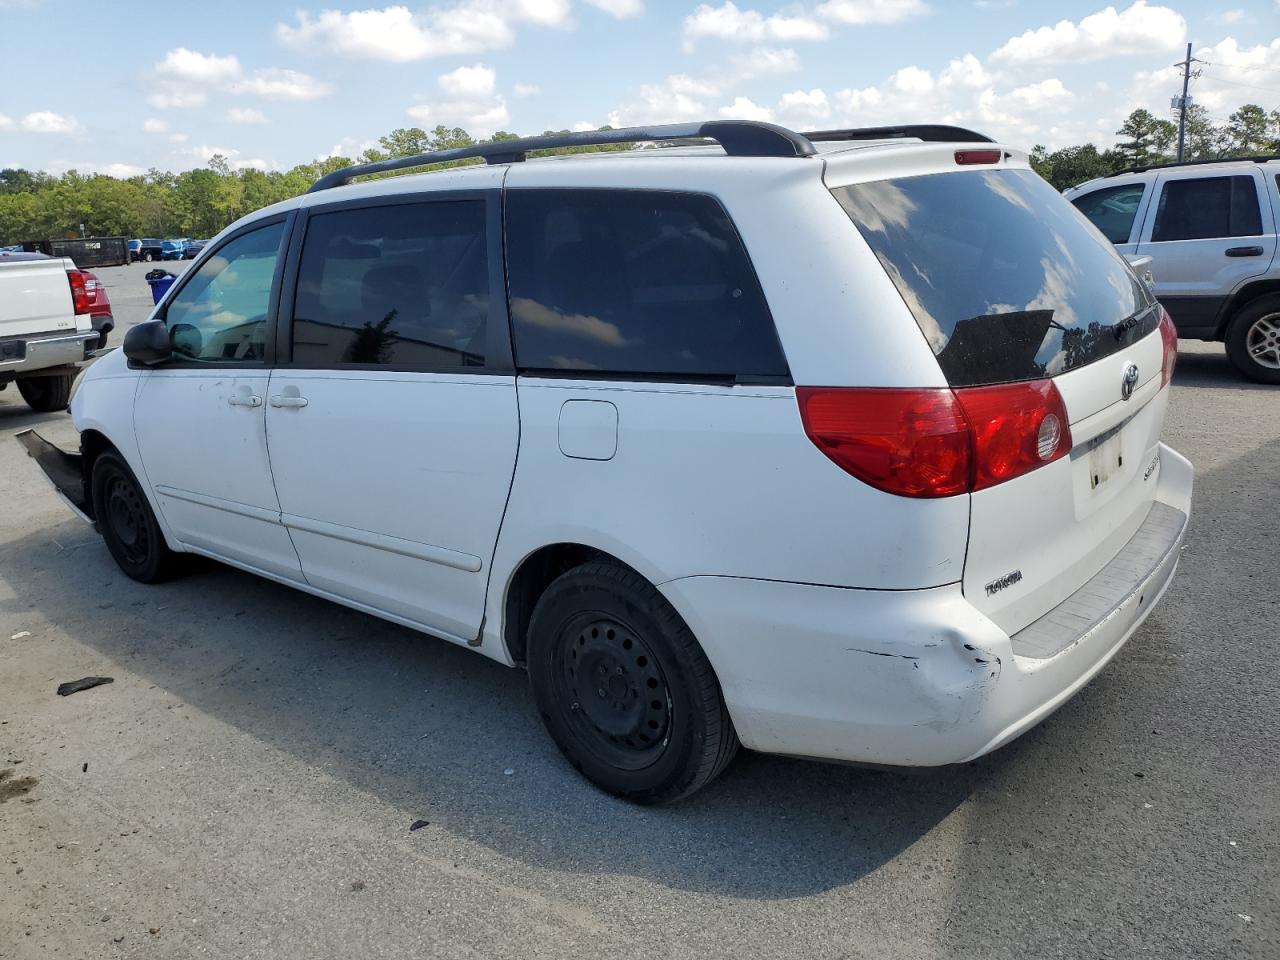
198, 203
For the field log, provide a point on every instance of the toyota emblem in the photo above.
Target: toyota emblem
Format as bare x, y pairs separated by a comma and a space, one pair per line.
1128, 381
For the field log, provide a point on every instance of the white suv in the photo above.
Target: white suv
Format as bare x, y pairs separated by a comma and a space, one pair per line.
847, 451
1209, 229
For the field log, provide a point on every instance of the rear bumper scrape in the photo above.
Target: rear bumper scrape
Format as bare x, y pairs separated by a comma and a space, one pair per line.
64, 470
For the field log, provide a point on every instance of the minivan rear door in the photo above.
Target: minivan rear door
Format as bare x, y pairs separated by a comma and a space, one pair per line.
1206, 236
1008, 282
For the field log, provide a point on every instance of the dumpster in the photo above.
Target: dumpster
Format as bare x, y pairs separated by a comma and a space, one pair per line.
160, 281
87, 252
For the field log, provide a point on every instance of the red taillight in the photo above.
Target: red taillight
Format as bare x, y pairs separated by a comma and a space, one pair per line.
937, 442
80, 293
1016, 428
1169, 337
967, 157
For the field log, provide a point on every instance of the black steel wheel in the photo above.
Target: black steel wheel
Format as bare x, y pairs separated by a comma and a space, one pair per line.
127, 524
47, 394
624, 688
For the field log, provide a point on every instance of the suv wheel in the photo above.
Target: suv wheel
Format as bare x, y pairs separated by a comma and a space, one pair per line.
47, 394
624, 688
128, 526
147, 257
1253, 340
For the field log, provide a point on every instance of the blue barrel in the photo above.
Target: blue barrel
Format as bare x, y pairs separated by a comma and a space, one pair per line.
159, 284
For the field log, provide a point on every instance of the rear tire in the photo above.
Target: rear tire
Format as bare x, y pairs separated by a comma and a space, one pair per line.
47, 394
128, 525
147, 258
624, 688
1253, 340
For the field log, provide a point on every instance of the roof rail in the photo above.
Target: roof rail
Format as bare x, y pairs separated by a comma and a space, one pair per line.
739, 138
1195, 163
931, 132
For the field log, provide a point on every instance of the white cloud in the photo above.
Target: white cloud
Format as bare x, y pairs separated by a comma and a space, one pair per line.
1139, 28
274, 83
468, 99
622, 9
764, 62
678, 97
966, 72
177, 99
204, 153
348, 147
871, 11
1048, 94
183, 64
743, 108
245, 115
583, 126
1232, 75
1231, 16
122, 171
803, 108
527, 89
44, 121
728, 22
399, 35
154, 125
5, 122
178, 138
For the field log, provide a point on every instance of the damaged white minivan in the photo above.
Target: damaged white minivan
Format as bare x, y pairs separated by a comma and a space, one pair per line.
841, 445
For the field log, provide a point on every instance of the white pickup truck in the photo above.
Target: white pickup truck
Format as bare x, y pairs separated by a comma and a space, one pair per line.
46, 327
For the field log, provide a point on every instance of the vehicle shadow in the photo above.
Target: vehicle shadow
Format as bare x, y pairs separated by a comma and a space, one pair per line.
431, 727
1211, 368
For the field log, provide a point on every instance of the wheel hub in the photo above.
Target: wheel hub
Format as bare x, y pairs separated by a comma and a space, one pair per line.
1262, 342
128, 522
617, 695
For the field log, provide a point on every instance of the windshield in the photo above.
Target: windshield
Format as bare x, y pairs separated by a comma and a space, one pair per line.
1005, 278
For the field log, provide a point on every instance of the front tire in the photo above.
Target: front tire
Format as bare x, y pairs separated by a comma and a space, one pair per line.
47, 394
1253, 340
624, 688
128, 525
147, 258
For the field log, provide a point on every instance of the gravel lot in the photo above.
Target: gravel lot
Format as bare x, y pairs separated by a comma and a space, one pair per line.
246, 786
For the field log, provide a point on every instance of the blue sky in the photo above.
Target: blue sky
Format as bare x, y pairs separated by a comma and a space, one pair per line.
120, 88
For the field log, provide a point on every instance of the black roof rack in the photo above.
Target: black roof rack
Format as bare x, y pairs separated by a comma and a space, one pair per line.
1194, 163
931, 132
739, 138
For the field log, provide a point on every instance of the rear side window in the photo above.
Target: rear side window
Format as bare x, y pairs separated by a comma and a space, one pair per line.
1112, 210
401, 285
1207, 208
634, 282
1005, 278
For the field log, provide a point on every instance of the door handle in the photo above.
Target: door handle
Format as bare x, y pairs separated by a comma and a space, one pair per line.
1244, 251
240, 400
279, 401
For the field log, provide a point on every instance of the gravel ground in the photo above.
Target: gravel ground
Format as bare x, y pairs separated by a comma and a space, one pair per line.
246, 786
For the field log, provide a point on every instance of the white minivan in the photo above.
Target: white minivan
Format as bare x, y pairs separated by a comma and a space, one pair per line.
841, 445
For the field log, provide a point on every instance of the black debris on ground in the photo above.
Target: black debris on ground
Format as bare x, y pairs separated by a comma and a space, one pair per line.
84, 683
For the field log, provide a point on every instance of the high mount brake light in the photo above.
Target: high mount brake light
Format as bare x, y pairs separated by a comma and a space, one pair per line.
937, 442
1169, 338
968, 157
81, 296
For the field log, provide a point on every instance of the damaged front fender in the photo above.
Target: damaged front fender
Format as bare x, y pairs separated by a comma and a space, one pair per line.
64, 470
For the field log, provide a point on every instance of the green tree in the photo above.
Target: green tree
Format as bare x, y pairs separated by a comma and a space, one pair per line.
1248, 132
1149, 139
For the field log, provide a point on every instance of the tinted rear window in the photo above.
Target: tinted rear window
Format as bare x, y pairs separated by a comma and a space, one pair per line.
1207, 207
1005, 278
634, 282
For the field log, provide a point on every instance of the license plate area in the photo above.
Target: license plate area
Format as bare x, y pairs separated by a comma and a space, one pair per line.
1102, 457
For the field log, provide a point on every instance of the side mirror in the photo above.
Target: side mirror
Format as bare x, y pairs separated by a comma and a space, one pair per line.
148, 343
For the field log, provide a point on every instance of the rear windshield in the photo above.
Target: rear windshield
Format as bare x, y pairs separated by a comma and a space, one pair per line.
1006, 278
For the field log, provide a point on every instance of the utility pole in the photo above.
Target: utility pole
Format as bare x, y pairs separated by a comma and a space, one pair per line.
1184, 100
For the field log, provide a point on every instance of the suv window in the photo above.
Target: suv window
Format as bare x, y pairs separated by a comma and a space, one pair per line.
634, 282
1112, 209
1208, 207
1004, 279
402, 285
220, 314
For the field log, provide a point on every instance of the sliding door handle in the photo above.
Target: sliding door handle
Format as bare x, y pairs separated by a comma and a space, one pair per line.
1244, 251
287, 401
243, 400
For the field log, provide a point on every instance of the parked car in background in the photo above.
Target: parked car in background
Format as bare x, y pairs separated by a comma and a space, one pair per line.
46, 326
135, 251
171, 249
192, 248
150, 249
833, 445
1210, 230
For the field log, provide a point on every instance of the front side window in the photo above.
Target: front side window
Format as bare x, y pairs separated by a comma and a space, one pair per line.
1112, 210
403, 285
220, 314
1208, 208
634, 282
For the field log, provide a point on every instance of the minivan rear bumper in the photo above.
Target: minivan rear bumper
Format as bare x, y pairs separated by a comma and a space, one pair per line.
920, 677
